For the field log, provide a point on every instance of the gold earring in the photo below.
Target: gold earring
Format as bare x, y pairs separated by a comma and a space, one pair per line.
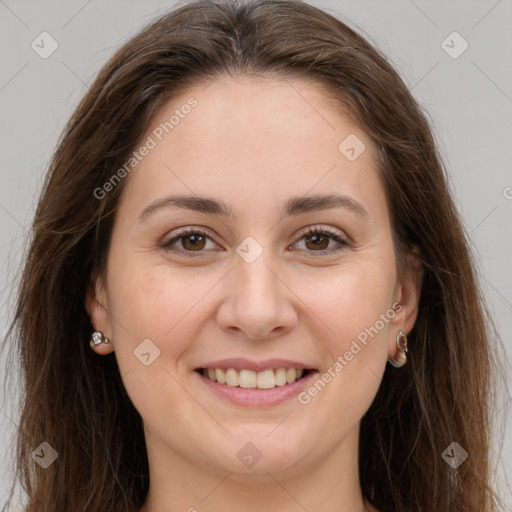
400, 358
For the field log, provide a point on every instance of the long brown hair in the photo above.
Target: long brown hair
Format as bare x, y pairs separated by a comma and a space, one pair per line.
76, 401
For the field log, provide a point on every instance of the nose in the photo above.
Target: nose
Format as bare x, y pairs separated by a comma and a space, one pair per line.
258, 304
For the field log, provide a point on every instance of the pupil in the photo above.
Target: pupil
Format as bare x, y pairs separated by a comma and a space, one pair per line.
317, 240
192, 240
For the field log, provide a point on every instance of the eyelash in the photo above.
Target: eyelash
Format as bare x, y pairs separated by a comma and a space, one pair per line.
311, 231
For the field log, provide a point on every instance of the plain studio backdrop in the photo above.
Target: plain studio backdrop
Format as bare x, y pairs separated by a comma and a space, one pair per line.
454, 56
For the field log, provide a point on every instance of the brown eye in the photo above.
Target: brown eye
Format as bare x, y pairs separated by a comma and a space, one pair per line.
193, 242
317, 240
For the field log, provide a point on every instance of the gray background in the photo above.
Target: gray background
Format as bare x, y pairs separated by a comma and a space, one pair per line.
468, 98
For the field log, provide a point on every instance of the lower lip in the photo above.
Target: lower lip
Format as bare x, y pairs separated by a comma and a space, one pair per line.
257, 397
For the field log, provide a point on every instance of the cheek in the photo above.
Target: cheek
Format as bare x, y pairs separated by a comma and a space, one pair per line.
156, 303
161, 303
357, 314
351, 300
355, 307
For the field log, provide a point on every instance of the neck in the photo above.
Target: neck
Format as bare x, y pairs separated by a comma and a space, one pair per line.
328, 483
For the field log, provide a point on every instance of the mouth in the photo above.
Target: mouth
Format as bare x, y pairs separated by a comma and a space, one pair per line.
250, 379
249, 383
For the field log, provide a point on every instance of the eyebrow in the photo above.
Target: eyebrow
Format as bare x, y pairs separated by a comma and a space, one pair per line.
294, 206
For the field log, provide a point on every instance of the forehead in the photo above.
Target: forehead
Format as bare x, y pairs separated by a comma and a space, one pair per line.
254, 139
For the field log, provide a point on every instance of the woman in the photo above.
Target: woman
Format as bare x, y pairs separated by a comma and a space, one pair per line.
245, 220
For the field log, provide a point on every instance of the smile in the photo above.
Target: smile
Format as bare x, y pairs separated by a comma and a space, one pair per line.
249, 379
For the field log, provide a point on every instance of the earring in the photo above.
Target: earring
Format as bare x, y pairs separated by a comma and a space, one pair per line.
98, 338
401, 358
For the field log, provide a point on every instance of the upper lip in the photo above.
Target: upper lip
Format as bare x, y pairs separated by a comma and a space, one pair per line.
257, 366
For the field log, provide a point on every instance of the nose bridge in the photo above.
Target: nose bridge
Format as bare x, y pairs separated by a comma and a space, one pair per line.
257, 300
257, 280
258, 286
254, 263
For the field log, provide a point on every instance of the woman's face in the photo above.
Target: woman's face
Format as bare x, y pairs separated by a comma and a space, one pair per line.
249, 285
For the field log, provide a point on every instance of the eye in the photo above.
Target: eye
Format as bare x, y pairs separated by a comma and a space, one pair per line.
192, 241
318, 239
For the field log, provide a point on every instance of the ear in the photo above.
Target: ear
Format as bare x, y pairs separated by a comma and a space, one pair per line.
96, 305
407, 294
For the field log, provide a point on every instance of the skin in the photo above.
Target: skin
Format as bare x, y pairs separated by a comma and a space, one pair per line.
252, 143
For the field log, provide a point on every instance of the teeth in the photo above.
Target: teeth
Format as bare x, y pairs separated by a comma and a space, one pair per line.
280, 377
247, 379
232, 377
220, 376
266, 379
